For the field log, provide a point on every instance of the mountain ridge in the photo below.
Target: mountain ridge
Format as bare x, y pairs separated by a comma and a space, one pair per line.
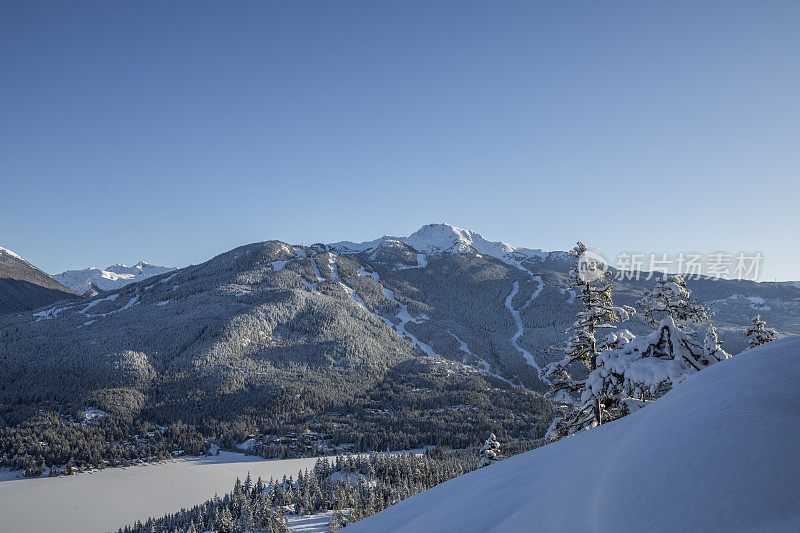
24, 287
271, 335
112, 277
442, 238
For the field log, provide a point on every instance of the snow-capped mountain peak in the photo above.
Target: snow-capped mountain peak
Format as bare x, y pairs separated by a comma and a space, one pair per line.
440, 238
111, 278
445, 238
138, 269
12, 254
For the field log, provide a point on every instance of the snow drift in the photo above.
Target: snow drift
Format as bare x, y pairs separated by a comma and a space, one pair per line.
719, 452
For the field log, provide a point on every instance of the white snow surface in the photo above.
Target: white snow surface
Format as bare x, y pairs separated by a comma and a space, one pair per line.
756, 302
405, 317
315, 523
717, 453
111, 297
51, 313
110, 278
422, 262
246, 445
444, 238
12, 254
90, 415
335, 277
110, 499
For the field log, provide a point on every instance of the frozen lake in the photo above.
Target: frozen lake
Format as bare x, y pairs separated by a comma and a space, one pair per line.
110, 499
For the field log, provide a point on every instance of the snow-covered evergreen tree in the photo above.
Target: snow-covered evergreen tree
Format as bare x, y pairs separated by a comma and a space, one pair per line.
671, 297
712, 347
490, 452
759, 333
592, 405
645, 368
225, 523
637, 370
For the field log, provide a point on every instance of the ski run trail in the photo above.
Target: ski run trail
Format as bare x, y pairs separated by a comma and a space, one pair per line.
515, 313
403, 316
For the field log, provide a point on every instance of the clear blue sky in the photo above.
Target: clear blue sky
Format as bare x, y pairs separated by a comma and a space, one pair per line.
173, 131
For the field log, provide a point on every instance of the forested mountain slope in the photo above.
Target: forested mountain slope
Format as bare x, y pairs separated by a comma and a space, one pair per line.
264, 336
398, 341
501, 308
24, 287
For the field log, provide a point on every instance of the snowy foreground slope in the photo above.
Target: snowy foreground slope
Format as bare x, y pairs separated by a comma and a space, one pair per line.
720, 452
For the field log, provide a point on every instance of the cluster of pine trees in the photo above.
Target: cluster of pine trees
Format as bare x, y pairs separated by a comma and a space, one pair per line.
55, 444
607, 376
409, 412
351, 487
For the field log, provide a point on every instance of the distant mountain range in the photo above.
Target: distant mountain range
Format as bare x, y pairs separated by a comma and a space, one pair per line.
396, 331
24, 287
444, 238
110, 278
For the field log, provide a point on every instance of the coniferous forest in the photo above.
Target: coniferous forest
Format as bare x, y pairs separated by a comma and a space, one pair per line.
349, 488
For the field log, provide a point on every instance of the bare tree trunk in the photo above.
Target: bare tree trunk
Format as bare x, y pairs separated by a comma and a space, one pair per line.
597, 412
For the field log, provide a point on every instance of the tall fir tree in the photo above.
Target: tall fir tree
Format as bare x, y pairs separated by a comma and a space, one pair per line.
759, 333
670, 297
490, 452
591, 406
712, 346
225, 524
637, 370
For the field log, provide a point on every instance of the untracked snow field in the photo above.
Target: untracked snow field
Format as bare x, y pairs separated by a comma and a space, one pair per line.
315, 523
110, 499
